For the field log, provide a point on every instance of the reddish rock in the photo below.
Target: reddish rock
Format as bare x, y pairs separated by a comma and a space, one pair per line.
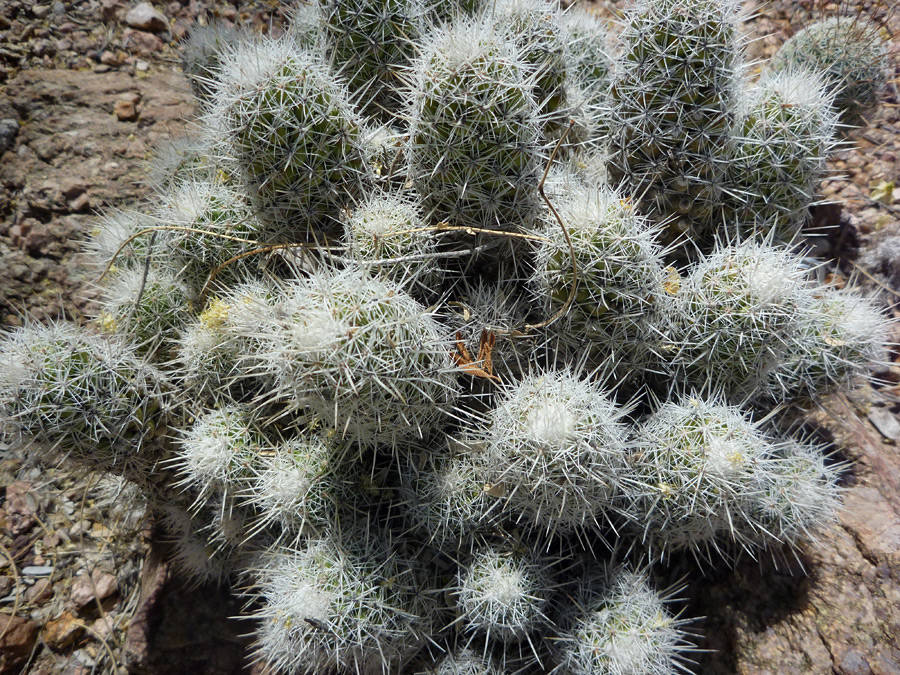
20, 506
17, 638
141, 42
146, 17
125, 110
38, 241
88, 589
62, 632
39, 592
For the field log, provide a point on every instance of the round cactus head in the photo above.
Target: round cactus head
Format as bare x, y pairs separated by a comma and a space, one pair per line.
294, 137
672, 105
370, 43
473, 149
555, 447
622, 626
786, 130
502, 595
345, 603
89, 395
693, 479
850, 52
361, 354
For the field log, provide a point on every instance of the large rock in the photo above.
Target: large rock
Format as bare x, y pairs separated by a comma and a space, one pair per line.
70, 129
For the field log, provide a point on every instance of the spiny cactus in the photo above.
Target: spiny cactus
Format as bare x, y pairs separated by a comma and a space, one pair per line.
850, 52
695, 477
401, 380
554, 446
193, 555
622, 627
215, 349
786, 134
672, 105
735, 313
202, 54
89, 395
466, 662
623, 293
535, 27
210, 224
217, 452
799, 493
370, 42
114, 244
390, 227
367, 359
294, 137
502, 595
588, 45
297, 489
150, 306
474, 130
447, 498
347, 604
838, 334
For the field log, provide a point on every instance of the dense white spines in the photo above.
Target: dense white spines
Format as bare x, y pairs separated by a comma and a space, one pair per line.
850, 52
192, 553
474, 130
672, 105
150, 307
392, 391
799, 494
183, 159
735, 314
216, 349
387, 233
692, 476
535, 27
621, 627
623, 294
201, 57
348, 603
91, 396
294, 136
588, 46
369, 43
555, 445
447, 498
786, 130
297, 487
837, 336
466, 662
703, 478
218, 451
502, 595
361, 354
116, 242
210, 224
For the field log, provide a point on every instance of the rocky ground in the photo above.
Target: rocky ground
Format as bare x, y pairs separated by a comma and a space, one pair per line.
87, 88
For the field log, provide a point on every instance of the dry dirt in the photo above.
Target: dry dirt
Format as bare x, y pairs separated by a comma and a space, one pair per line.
83, 582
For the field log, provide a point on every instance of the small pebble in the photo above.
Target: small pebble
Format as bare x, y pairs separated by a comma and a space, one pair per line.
37, 570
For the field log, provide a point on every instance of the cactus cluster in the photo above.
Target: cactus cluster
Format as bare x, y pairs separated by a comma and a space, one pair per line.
444, 302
